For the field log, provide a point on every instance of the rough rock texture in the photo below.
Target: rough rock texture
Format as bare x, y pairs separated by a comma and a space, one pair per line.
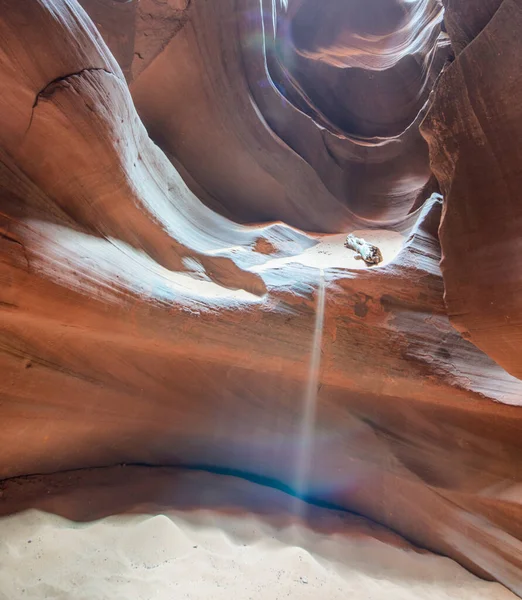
138, 326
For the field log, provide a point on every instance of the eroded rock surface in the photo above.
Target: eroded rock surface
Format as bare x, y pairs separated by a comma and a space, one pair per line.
139, 326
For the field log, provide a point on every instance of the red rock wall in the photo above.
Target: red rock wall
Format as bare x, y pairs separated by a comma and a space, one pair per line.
139, 326
472, 129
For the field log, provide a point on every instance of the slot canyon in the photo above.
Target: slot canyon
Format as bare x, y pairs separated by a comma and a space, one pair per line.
184, 329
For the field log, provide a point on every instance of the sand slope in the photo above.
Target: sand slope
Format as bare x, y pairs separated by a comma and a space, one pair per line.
230, 551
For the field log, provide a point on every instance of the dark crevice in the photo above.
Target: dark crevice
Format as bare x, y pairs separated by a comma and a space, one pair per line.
10, 238
245, 475
48, 90
266, 482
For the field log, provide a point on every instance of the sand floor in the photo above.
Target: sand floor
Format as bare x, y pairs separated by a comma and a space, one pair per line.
219, 553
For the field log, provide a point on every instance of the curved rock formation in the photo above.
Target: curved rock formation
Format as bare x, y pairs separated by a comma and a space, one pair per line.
367, 66
249, 142
469, 126
138, 326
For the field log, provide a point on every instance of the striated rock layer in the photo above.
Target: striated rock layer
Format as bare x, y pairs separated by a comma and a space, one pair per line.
139, 326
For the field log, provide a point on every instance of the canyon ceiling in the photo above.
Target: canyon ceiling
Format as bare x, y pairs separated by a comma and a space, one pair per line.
177, 178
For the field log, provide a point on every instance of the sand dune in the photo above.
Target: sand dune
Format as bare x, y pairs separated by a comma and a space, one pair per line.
230, 551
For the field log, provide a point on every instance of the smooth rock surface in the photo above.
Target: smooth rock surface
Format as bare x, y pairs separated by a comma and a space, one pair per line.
476, 114
139, 326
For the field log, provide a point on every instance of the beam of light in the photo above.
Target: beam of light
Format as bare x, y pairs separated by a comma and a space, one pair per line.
305, 441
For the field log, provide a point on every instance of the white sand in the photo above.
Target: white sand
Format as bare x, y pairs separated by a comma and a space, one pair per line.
204, 554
